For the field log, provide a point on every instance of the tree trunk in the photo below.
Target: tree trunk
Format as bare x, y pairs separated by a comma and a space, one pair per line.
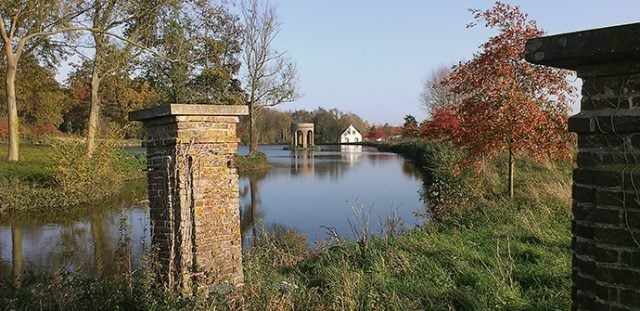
12, 109
94, 112
253, 134
512, 166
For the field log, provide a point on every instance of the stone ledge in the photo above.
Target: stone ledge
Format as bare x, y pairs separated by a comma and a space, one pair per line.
188, 110
606, 121
617, 44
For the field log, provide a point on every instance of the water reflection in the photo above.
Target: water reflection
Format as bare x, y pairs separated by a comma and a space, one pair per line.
302, 162
17, 255
100, 240
351, 154
250, 215
313, 190
305, 190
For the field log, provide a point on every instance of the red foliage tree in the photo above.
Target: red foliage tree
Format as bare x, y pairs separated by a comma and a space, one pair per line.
410, 127
444, 124
508, 104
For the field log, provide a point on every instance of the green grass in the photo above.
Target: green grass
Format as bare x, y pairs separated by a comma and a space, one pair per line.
495, 254
490, 253
251, 163
55, 179
34, 166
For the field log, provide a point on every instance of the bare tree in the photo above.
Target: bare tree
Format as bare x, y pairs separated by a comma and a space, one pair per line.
25, 27
434, 92
270, 77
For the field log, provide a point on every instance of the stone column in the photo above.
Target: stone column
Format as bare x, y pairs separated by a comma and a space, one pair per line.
606, 183
304, 140
193, 194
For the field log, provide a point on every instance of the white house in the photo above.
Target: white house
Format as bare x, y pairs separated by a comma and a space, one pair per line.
351, 135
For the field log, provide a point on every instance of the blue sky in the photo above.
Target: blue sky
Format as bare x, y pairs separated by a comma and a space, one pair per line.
371, 56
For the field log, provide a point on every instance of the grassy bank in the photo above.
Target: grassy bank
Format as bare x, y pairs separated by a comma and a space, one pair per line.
56, 177
251, 163
487, 253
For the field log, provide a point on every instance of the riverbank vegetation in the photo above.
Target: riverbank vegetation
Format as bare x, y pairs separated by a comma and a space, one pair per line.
486, 252
251, 163
60, 177
499, 239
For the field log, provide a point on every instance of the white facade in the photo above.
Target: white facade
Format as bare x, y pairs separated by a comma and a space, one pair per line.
351, 135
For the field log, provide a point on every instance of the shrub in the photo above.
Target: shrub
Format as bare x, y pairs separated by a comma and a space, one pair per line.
62, 176
449, 187
103, 173
251, 162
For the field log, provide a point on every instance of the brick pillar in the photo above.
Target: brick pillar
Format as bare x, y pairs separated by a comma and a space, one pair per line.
193, 193
606, 182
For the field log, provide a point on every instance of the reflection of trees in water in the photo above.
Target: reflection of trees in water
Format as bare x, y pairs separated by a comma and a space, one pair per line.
100, 244
249, 211
87, 245
321, 164
409, 169
17, 256
376, 158
335, 161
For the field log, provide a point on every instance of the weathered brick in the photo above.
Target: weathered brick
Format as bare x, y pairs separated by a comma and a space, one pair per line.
583, 231
608, 198
582, 247
582, 193
585, 266
607, 293
605, 255
630, 258
614, 237
630, 298
597, 215
600, 141
190, 157
618, 276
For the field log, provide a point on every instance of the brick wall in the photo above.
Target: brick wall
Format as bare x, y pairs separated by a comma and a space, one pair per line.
606, 189
194, 198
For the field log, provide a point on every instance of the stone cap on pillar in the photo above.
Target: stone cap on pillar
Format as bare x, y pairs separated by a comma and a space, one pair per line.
611, 45
188, 110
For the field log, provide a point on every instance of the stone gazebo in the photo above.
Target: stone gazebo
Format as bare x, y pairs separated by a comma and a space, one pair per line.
302, 135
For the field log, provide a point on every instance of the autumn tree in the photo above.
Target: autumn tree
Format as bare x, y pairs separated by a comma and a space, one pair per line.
410, 127
119, 94
27, 27
443, 125
40, 99
509, 104
269, 76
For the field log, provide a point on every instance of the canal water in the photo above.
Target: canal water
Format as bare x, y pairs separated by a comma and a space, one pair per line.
333, 189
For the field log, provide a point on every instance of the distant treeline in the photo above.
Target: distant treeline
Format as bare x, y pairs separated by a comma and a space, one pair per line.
274, 126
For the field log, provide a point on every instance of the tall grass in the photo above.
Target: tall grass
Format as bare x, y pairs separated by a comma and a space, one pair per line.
493, 254
61, 176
